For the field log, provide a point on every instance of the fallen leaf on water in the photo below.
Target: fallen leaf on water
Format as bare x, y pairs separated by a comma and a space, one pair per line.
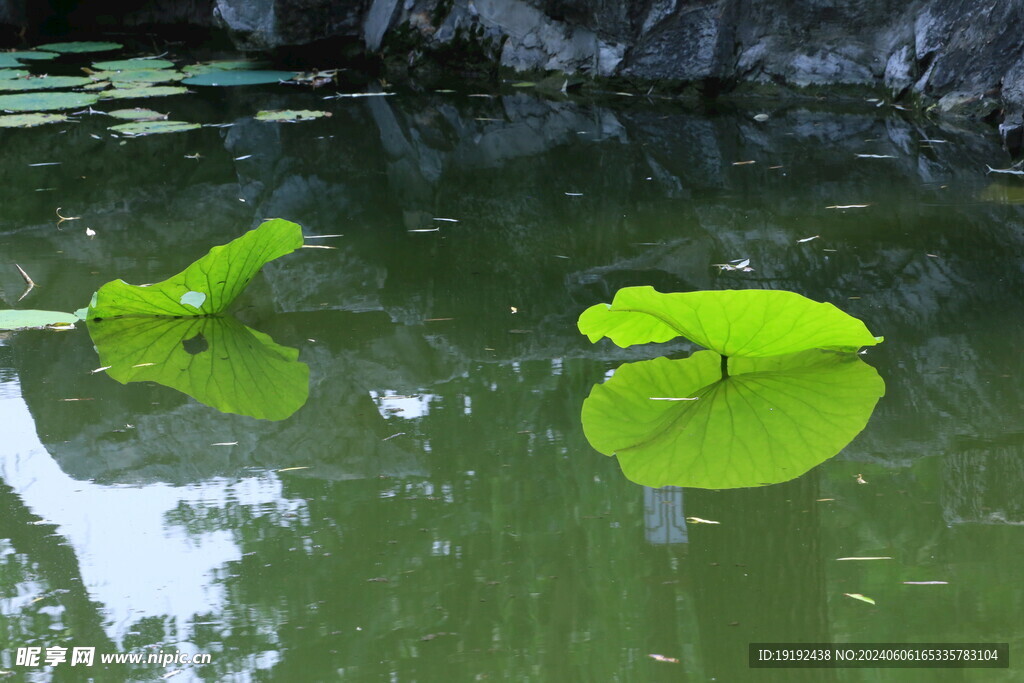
663, 658
321, 237
65, 218
848, 206
840, 559
90, 232
101, 369
822, 500
860, 479
316, 246
448, 220
927, 583
573, 194
808, 239
698, 520
858, 596
514, 309
424, 230
290, 469
225, 443
743, 163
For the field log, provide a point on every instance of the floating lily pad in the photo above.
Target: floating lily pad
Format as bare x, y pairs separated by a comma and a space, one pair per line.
224, 65
28, 55
140, 128
290, 115
30, 120
141, 91
133, 64
6, 61
232, 78
80, 46
42, 83
6, 74
137, 114
30, 319
96, 85
139, 76
47, 101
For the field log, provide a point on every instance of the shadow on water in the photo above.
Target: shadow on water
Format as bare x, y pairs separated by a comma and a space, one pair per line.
446, 517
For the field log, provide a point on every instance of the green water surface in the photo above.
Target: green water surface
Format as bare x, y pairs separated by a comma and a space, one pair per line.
434, 511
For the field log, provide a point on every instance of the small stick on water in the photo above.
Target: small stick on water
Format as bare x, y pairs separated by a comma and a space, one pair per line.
725, 367
28, 281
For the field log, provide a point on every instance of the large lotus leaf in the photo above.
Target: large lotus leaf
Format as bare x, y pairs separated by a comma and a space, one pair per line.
8, 74
140, 128
43, 83
217, 361
224, 65
47, 101
132, 64
142, 91
32, 319
679, 423
206, 287
30, 120
7, 61
80, 46
239, 77
751, 322
26, 55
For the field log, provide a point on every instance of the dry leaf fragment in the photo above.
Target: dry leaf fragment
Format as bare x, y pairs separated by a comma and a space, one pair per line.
858, 596
808, 239
291, 469
860, 479
743, 163
698, 520
848, 206
840, 559
926, 583
663, 658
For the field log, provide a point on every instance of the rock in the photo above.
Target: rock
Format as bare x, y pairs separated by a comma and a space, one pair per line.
269, 24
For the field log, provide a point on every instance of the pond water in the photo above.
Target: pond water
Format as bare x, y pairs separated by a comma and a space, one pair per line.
434, 511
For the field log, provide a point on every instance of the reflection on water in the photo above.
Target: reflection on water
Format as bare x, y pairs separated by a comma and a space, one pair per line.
434, 511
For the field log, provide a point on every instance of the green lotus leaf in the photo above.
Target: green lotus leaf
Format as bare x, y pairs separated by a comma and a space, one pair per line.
137, 114
239, 77
47, 101
206, 287
34, 319
142, 91
290, 115
80, 46
223, 65
680, 423
139, 128
8, 61
8, 74
133, 64
26, 55
138, 76
43, 83
751, 322
30, 120
217, 361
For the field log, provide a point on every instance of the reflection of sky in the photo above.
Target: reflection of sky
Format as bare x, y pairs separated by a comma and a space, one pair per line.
132, 561
392, 404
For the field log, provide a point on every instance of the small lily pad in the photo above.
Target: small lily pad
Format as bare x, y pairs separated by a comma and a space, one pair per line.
81, 46
133, 64
46, 101
42, 83
30, 120
239, 77
30, 319
290, 115
153, 91
7, 74
139, 76
96, 85
29, 55
223, 65
137, 114
140, 128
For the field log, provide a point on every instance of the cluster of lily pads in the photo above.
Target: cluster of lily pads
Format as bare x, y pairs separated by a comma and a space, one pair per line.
29, 97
